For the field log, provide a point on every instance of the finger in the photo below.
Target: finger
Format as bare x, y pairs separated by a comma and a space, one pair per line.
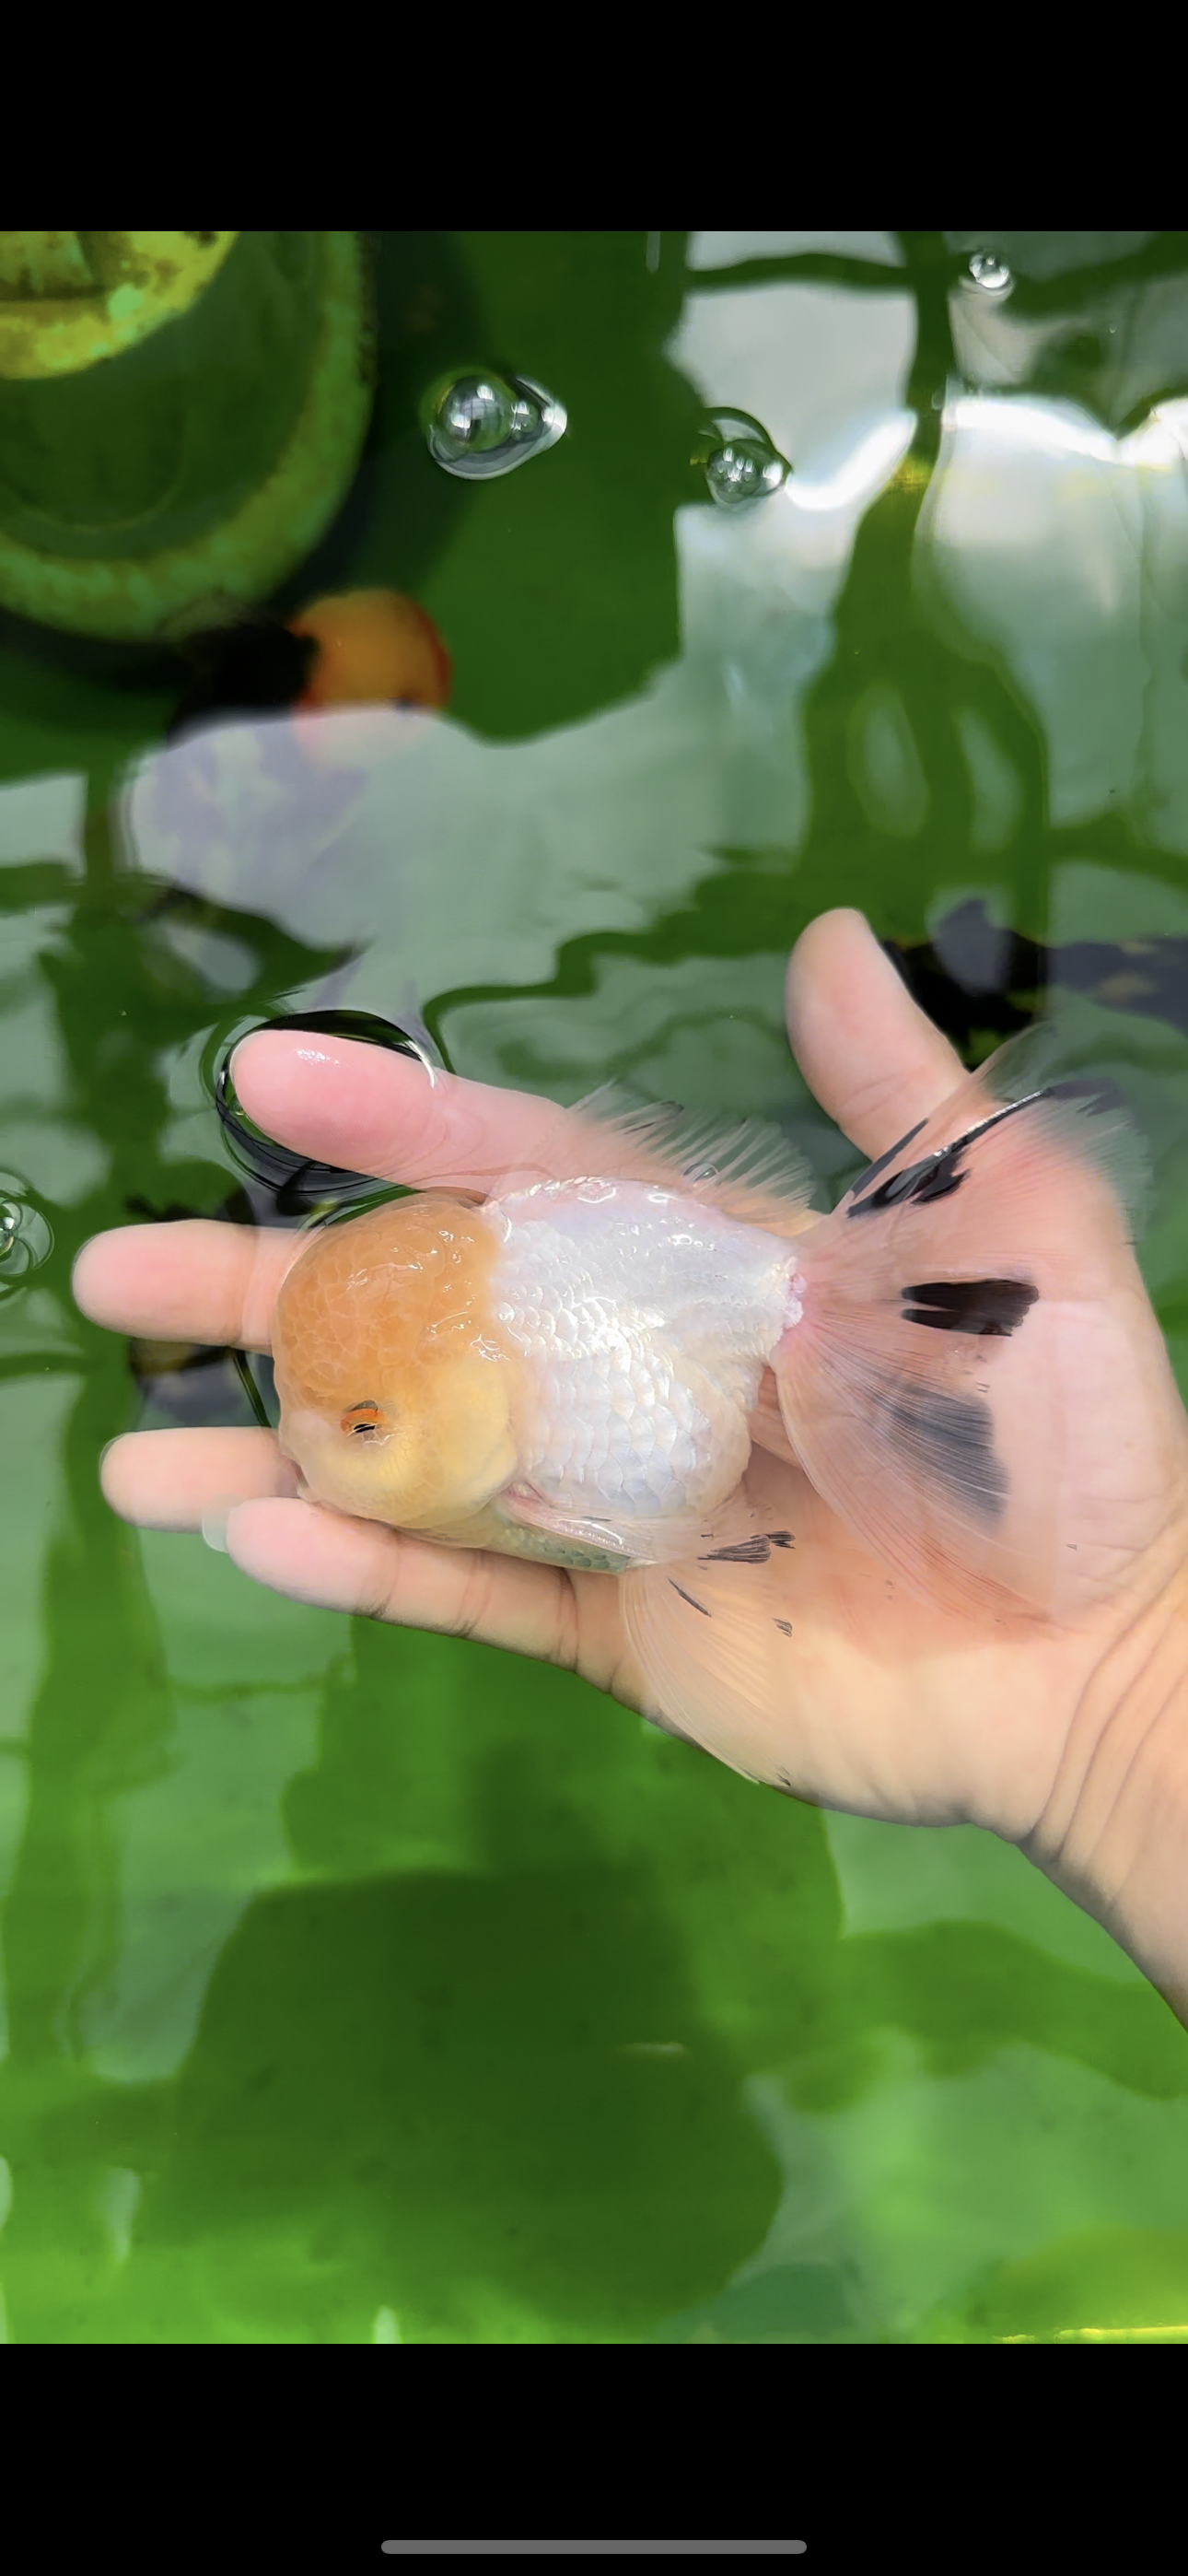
370, 1111
333, 1563
179, 1480
875, 1062
192, 1281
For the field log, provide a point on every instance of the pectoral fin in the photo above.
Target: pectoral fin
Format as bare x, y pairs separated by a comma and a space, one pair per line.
537, 1528
581, 1541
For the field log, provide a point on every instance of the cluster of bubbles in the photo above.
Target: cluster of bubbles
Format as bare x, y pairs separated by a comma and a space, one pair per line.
740, 462
25, 1237
990, 274
486, 424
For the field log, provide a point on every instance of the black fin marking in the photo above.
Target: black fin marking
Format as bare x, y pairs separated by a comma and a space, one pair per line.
985, 1306
938, 1174
952, 1439
873, 1169
750, 1551
687, 1596
784, 1626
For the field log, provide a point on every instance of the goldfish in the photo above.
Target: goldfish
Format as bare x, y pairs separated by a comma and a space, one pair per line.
374, 648
580, 1366
357, 648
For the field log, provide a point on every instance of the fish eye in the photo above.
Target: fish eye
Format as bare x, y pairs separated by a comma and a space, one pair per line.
361, 1419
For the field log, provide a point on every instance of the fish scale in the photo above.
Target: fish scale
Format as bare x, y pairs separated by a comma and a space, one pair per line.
630, 1395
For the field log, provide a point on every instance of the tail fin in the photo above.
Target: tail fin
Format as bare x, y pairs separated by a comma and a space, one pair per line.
961, 1387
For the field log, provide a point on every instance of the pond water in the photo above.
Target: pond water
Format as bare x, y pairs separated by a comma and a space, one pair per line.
363, 1986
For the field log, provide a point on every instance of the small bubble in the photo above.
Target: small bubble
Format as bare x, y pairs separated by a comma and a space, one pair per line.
740, 463
25, 1237
990, 273
485, 424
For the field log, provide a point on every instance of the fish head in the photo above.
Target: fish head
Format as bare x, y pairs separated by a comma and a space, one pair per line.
395, 1380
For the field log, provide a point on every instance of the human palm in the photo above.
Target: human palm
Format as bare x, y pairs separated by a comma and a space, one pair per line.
886, 1708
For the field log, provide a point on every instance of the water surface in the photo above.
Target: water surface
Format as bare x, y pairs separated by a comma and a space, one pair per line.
364, 1986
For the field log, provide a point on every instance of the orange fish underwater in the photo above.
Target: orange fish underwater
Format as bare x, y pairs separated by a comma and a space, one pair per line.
576, 1367
358, 648
375, 648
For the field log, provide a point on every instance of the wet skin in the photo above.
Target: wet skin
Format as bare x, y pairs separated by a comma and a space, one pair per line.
1071, 1741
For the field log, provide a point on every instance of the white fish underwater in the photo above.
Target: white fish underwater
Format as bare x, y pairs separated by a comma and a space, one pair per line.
576, 1367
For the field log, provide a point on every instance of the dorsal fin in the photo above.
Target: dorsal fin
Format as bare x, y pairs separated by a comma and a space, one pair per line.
744, 1166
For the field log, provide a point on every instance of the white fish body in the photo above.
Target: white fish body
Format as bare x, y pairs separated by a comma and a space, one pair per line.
644, 1319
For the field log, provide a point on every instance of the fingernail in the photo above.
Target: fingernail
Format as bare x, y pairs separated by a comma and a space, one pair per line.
214, 1527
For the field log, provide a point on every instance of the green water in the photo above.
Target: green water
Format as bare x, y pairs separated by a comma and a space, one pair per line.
368, 1987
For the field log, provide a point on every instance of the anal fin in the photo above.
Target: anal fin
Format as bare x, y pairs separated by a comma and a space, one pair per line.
716, 1643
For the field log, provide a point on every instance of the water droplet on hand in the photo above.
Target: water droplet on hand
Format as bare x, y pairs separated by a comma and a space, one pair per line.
740, 462
25, 1237
485, 424
990, 273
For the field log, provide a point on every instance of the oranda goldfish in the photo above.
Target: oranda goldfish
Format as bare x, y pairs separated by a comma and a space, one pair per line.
358, 648
575, 1367
374, 648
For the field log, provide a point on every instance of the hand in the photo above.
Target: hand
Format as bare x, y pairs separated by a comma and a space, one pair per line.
893, 1710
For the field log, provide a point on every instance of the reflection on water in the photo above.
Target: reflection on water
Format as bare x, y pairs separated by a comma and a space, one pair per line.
357, 1976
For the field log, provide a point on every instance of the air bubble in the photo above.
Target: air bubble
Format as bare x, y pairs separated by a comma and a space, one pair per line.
990, 273
25, 1237
485, 424
740, 463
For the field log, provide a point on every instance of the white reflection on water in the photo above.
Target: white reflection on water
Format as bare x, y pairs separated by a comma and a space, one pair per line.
728, 249
1060, 551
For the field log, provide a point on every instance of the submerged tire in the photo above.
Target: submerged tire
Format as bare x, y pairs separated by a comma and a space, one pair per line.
180, 418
